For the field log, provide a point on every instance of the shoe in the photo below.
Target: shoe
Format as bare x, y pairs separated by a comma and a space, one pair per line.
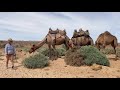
12, 67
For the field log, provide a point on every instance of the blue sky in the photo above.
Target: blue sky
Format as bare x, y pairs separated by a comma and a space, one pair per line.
35, 25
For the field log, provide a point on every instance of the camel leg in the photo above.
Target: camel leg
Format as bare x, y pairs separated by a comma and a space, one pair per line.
49, 45
115, 51
66, 45
116, 57
55, 52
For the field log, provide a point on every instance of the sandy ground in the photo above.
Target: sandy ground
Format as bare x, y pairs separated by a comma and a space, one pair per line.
58, 69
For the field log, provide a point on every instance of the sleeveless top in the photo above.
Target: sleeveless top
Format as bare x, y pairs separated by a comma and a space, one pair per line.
9, 49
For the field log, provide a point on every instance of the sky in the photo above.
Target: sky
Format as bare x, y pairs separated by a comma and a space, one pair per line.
35, 25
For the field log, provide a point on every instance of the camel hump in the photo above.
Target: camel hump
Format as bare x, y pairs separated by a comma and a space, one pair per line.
108, 33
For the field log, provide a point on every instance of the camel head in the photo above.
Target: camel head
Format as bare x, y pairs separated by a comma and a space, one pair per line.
32, 49
70, 43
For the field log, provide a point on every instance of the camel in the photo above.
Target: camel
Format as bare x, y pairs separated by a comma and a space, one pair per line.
105, 39
54, 37
81, 38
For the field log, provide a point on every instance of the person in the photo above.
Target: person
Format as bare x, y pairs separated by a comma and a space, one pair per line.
10, 52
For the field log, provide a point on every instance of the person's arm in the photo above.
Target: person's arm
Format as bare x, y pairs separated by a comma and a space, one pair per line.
6, 50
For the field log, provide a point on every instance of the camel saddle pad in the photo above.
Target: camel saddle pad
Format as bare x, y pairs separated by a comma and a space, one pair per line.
54, 32
53, 36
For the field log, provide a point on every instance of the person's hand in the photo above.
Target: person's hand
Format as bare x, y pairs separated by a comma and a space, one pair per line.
6, 55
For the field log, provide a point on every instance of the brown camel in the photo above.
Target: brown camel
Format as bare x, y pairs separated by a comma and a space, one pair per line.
82, 38
54, 37
105, 39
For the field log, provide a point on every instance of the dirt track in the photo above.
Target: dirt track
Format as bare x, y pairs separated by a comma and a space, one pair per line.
58, 69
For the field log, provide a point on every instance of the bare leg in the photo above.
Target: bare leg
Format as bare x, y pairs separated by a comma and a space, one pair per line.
12, 61
7, 57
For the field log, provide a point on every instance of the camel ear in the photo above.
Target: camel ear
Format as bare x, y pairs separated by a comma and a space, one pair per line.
33, 45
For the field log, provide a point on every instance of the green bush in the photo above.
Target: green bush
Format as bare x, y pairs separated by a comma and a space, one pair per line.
93, 55
74, 58
108, 50
36, 61
43, 51
63, 46
25, 49
59, 51
88, 55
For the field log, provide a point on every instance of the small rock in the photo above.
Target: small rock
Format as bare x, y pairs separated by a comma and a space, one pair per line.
65, 66
96, 67
118, 70
117, 76
46, 69
91, 76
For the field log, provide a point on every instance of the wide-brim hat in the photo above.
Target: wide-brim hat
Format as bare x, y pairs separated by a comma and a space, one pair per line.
10, 40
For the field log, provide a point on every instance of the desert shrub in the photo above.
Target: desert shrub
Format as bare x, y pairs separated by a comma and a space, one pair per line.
108, 50
25, 49
87, 55
36, 61
93, 55
63, 46
43, 51
2, 45
74, 58
59, 51
118, 51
